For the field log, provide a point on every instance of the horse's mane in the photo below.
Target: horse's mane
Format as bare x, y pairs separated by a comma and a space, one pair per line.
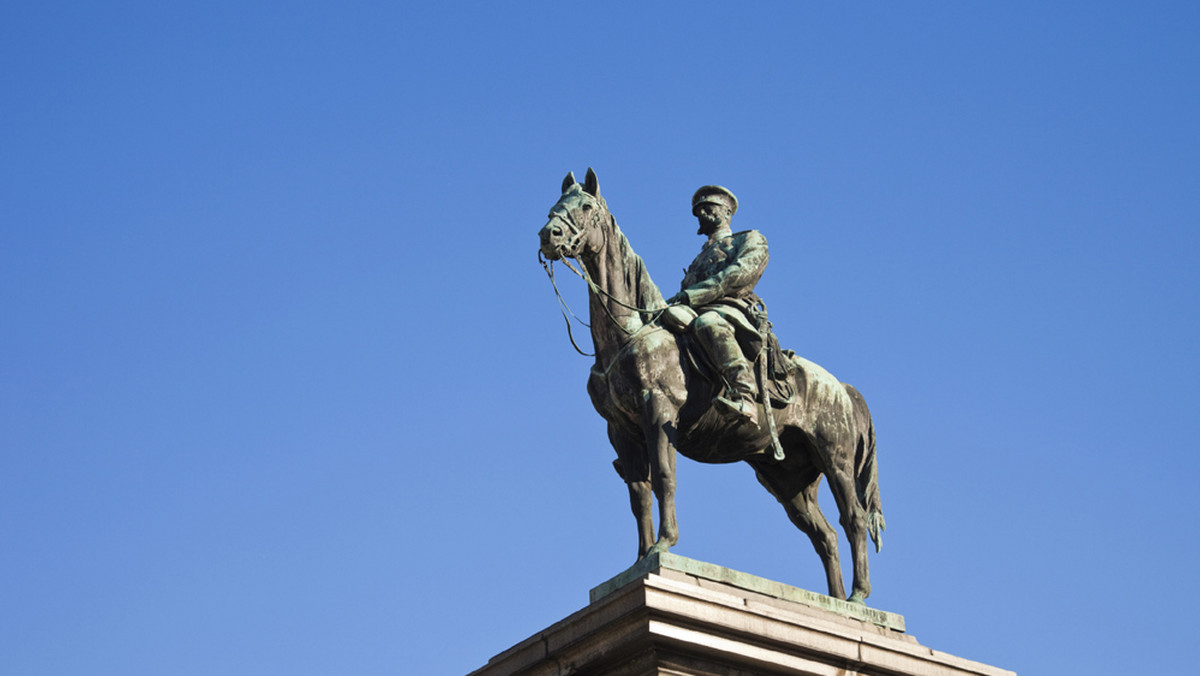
643, 290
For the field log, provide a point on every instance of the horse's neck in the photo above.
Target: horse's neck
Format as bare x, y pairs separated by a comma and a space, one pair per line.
621, 276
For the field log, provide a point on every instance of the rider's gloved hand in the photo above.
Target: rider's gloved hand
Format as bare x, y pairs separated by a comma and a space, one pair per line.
677, 318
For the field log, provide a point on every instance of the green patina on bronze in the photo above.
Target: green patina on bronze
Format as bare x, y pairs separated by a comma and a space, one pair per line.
702, 374
656, 563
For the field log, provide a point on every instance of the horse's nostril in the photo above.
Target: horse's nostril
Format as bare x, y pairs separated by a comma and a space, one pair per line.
556, 231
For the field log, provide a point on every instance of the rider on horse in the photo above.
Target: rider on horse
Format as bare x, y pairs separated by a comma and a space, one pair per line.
717, 304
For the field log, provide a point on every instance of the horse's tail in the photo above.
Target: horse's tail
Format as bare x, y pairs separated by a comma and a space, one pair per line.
866, 471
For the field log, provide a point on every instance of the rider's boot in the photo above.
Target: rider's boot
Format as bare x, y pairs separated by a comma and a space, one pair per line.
740, 403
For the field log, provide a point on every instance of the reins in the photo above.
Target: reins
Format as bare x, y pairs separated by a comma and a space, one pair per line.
563, 307
576, 234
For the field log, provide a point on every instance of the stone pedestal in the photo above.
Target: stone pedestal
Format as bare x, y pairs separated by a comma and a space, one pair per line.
673, 615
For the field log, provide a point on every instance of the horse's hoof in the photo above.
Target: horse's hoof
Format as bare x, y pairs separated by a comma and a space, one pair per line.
858, 598
659, 547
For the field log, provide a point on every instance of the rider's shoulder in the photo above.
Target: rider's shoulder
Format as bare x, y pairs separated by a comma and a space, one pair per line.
749, 237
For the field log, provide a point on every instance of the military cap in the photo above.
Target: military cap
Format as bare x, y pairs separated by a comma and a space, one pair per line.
714, 194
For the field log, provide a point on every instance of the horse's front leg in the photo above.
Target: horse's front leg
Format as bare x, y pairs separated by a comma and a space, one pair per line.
634, 468
641, 501
658, 417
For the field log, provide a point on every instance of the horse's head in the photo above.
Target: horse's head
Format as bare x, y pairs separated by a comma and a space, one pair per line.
572, 227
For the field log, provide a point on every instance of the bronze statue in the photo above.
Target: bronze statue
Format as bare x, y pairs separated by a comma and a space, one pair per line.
665, 383
719, 285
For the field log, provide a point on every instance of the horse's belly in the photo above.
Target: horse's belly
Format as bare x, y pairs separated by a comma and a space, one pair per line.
713, 439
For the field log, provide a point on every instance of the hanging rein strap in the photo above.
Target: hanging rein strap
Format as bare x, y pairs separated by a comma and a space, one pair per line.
563, 307
582, 272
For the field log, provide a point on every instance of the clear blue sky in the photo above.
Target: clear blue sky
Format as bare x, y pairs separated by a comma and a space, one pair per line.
283, 389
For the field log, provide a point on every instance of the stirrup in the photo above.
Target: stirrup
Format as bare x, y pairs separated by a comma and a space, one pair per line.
742, 409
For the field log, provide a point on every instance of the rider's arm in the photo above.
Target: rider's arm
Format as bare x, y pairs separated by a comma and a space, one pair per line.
747, 262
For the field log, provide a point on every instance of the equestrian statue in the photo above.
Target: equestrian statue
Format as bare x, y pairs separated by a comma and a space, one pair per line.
703, 374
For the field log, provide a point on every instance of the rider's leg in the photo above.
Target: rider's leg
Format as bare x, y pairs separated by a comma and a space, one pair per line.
719, 340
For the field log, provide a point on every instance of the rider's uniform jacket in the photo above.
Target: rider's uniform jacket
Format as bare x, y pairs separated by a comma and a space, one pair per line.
722, 277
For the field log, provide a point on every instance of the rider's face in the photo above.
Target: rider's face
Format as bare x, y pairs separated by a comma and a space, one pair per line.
711, 217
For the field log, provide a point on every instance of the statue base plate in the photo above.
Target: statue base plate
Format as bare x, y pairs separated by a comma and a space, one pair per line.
672, 615
710, 572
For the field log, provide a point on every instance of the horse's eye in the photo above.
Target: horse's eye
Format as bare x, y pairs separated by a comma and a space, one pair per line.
587, 207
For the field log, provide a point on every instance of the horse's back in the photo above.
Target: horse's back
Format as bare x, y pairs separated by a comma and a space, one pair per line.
820, 386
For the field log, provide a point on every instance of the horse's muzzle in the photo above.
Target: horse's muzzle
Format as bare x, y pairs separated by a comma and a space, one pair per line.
553, 239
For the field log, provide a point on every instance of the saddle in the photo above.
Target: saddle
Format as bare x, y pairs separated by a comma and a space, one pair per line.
772, 365
773, 368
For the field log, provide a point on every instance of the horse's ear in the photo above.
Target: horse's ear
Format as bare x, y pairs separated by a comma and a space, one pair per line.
569, 180
591, 184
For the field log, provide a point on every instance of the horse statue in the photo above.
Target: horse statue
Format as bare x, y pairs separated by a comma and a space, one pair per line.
656, 401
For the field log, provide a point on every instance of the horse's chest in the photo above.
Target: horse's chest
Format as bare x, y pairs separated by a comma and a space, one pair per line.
614, 397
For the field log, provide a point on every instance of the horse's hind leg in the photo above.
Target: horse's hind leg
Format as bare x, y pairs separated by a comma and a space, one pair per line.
824, 538
804, 511
854, 521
